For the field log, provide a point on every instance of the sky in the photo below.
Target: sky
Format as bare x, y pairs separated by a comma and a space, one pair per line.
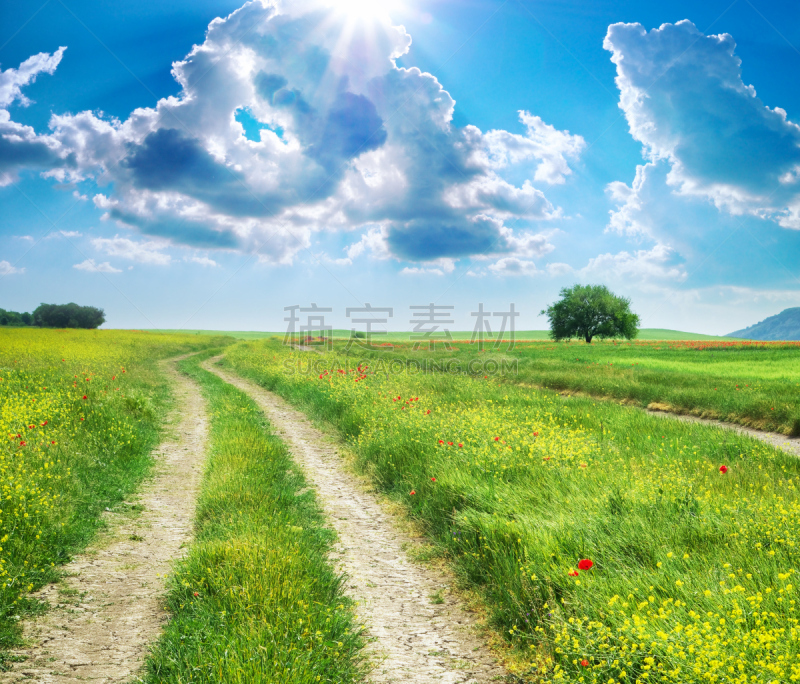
208, 164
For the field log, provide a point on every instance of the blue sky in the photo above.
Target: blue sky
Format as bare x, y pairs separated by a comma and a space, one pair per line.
449, 152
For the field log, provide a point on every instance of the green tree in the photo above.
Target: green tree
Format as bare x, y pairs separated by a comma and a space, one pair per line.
68, 316
590, 311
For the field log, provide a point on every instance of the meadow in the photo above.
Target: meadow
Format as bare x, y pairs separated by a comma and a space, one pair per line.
80, 412
609, 545
751, 383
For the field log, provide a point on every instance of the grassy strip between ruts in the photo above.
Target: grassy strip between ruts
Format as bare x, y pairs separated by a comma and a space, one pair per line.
255, 600
693, 531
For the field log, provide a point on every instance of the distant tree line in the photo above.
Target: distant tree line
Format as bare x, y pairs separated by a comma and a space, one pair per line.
56, 316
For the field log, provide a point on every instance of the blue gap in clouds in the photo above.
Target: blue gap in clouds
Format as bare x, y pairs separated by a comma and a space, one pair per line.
253, 126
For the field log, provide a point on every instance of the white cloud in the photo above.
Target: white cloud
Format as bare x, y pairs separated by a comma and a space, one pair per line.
7, 269
143, 252
26, 238
543, 142
12, 80
685, 101
415, 270
203, 261
511, 266
350, 141
438, 267
558, 269
92, 267
20, 146
659, 263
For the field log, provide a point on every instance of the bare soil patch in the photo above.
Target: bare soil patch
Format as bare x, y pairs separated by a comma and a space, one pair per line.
421, 633
109, 605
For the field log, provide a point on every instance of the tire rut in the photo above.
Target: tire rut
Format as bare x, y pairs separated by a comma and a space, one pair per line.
414, 639
109, 606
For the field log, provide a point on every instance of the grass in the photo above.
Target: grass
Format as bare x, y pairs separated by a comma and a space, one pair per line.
751, 383
255, 600
80, 412
693, 569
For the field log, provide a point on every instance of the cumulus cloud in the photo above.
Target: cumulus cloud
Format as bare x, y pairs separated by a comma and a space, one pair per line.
203, 261
438, 267
92, 267
346, 141
7, 269
20, 146
684, 99
558, 269
144, 252
512, 266
659, 263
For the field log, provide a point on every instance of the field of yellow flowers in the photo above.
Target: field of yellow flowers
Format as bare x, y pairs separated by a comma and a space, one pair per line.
79, 413
610, 545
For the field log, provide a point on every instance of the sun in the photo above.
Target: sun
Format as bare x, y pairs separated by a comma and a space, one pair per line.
363, 9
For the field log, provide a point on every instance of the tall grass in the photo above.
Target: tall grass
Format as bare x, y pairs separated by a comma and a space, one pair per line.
255, 600
693, 568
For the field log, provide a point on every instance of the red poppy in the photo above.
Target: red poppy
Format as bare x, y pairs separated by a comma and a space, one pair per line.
45, 423
585, 663
84, 396
535, 434
460, 444
427, 412
496, 439
449, 444
412, 492
196, 594
30, 427
585, 564
22, 443
53, 442
441, 441
573, 573
433, 479
723, 469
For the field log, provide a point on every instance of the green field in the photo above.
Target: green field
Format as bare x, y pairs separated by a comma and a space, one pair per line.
644, 334
692, 576
754, 384
508, 461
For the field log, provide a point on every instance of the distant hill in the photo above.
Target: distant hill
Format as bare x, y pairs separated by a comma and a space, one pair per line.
784, 326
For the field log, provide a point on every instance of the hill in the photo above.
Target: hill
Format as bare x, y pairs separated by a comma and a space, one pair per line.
784, 326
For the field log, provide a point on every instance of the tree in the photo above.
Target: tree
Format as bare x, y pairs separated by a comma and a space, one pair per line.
589, 311
68, 316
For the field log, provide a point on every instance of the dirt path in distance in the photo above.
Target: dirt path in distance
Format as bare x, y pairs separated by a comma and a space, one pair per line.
109, 607
417, 639
791, 445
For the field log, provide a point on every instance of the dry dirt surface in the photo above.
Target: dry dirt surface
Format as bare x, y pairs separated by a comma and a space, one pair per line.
416, 639
109, 607
790, 445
